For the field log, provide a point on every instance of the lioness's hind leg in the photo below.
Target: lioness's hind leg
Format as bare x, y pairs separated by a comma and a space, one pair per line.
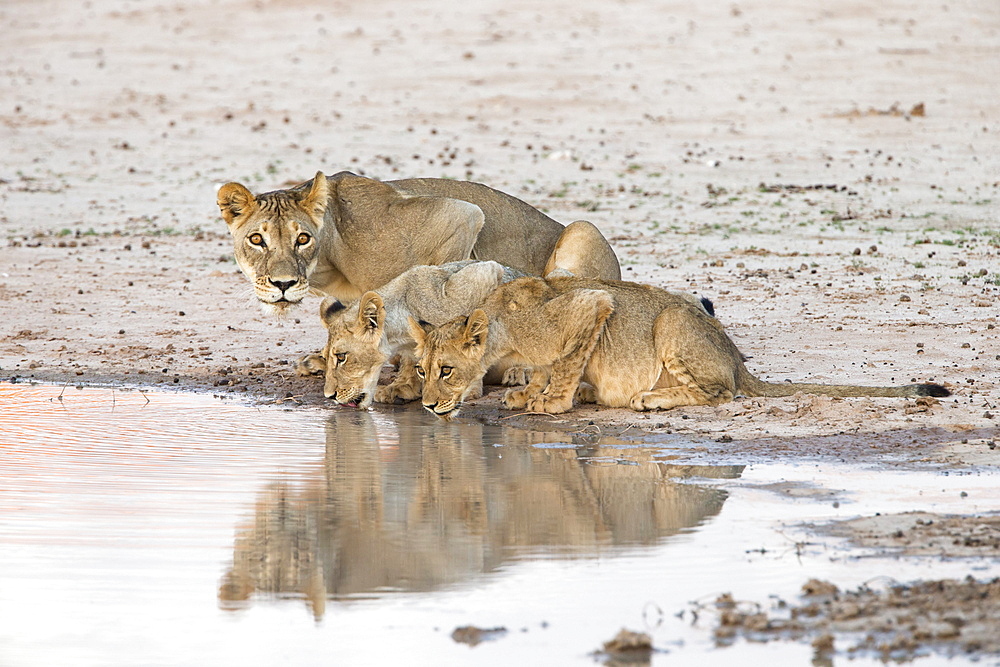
583, 251
311, 364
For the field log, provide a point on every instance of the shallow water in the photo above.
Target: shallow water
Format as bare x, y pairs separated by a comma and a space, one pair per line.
176, 529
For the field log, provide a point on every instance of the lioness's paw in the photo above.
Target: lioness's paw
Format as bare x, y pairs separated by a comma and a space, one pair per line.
310, 364
548, 404
515, 399
517, 375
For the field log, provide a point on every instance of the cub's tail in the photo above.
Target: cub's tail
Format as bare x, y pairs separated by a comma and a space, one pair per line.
752, 386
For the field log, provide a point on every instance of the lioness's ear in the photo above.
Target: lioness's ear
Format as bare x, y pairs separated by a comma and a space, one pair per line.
371, 312
235, 201
476, 327
315, 200
329, 308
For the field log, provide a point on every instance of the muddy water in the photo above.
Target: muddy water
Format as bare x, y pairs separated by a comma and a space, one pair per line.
171, 529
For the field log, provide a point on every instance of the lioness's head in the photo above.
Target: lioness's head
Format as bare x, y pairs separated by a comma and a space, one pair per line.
355, 349
450, 361
275, 238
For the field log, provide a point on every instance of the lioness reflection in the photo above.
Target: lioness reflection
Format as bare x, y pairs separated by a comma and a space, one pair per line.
411, 504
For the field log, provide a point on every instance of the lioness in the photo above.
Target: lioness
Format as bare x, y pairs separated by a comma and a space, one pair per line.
364, 335
344, 235
637, 346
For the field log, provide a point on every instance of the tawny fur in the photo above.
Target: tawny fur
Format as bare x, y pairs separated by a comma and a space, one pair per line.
655, 350
360, 233
364, 335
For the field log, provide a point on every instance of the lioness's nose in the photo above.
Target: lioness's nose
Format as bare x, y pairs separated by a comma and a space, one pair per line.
431, 407
283, 285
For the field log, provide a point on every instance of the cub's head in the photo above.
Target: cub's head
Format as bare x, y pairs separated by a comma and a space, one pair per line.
450, 361
275, 238
355, 349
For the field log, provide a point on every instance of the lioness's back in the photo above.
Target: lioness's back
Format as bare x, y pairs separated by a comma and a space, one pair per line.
509, 224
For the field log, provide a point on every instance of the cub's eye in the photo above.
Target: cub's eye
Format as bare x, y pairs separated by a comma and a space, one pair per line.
256, 239
420, 372
340, 357
303, 239
446, 371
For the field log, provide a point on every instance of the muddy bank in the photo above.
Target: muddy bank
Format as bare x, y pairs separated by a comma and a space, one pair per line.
894, 621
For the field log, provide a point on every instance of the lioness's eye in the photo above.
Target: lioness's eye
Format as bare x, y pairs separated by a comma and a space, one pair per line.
420, 371
445, 371
340, 356
256, 239
303, 239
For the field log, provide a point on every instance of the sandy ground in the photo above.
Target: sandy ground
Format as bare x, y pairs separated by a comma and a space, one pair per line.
693, 136
827, 175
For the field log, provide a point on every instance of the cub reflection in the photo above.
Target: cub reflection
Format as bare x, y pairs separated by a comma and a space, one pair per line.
404, 502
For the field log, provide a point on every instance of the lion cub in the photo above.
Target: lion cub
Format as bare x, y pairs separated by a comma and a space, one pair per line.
637, 346
364, 335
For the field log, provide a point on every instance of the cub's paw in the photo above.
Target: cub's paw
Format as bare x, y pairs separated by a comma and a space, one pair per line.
393, 392
516, 375
474, 391
548, 404
516, 399
385, 395
643, 401
310, 364
586, 393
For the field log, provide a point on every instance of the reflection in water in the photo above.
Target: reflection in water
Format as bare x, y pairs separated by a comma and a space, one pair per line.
117, 515
407, 504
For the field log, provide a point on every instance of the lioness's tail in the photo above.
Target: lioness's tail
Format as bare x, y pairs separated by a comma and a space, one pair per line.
752, 386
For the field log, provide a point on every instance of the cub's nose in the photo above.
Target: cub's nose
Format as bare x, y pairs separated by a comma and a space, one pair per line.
284, 285
432, 407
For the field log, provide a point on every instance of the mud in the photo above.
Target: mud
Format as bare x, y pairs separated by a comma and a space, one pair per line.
924, 534
896, 622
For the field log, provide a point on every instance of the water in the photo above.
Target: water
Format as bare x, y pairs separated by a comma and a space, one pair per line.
175, 529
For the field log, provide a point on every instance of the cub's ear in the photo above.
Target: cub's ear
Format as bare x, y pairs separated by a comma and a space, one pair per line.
371, 312
235, 201
329, 308
315, 200
477, 325
418, 331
